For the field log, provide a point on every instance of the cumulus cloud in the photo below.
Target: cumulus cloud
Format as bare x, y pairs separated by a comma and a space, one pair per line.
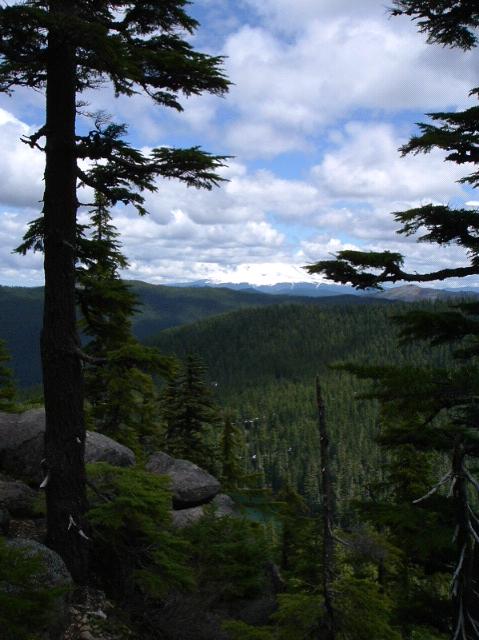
288, 89
286, 16
330, 82
247, 196
186, 250
21, 167
365, 165
16, 269
144, 239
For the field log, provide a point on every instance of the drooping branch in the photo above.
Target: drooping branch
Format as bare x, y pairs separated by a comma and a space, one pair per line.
90, 359
350, 267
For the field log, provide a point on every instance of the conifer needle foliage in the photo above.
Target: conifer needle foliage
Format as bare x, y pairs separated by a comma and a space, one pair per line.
120, 390
26, 607
7, 387
191, 415
136, 553
435, 409
63, 48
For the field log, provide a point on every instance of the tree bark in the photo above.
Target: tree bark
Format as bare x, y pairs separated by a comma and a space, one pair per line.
62, 370
465, 597
327, 516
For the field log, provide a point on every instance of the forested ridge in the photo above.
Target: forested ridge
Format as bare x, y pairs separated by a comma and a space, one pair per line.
262, 365
159, 307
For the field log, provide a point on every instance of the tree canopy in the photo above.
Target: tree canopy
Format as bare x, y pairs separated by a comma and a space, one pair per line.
64, 47
434, 409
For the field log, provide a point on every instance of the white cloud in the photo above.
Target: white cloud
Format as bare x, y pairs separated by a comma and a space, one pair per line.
247, 196
301, 71
365, 165
289, 89
21, 167
286, 16
160, 249
14, 268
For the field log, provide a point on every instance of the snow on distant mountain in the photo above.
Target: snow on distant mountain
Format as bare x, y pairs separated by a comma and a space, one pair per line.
309, 289
404, 293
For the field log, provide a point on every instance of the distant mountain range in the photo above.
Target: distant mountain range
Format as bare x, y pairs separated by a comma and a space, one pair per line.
413, 293
163, 307
308, 289
405, 293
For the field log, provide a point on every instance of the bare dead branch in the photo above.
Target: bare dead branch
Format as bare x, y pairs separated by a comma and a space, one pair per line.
90, 359
442, 481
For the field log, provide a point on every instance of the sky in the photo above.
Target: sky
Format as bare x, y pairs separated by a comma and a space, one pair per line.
324, 93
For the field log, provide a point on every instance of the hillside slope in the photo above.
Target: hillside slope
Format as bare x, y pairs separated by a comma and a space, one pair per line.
161, 307
262, 364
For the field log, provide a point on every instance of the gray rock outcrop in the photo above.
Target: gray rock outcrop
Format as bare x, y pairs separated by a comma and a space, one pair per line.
186, 517
190, 485
53, 574
100, 448
222, 505
21, 446
18, 499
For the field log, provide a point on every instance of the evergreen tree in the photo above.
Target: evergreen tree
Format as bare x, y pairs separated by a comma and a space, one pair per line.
28, 604
106, 302
190, 415
7, 388
65, 47
327, 517
436, 409
417, 534
137, 555
230, 449
119, 387
447, 22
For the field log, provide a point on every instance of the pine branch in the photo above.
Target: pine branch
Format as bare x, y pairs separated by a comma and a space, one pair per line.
349, 267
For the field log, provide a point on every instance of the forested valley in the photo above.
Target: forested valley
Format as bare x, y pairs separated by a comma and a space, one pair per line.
262, 364
247, 379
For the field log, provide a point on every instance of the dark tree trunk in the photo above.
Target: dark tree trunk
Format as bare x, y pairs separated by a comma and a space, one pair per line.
465, 597
62, 374
327, 516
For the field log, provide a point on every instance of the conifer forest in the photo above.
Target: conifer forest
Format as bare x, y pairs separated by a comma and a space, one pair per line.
193, 456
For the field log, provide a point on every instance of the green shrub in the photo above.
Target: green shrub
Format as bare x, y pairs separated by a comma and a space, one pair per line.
238, 630
362, 613
134, 549
25, 607
229, 555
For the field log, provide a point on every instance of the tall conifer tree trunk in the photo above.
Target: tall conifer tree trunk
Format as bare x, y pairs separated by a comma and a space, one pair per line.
62, 375
67, 47
327, 516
